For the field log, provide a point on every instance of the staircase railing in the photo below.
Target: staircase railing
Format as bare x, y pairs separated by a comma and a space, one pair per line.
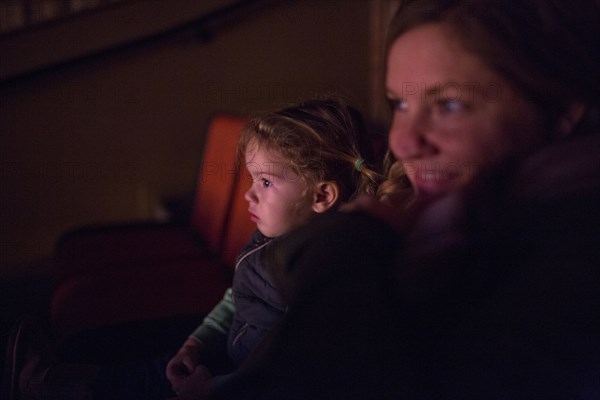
91, 34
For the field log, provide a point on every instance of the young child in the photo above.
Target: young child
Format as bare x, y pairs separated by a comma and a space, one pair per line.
303, 160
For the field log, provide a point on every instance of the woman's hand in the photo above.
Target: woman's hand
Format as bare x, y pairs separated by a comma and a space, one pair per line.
184, 364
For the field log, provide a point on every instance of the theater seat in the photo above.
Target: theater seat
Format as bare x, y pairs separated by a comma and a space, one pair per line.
113, 274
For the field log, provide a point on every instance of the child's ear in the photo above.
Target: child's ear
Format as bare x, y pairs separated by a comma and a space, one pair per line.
326, 196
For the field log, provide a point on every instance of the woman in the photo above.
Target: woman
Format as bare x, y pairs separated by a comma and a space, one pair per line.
486, 286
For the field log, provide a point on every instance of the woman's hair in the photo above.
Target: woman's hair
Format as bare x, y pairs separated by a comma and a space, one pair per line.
323, 140
548, 49
396, 188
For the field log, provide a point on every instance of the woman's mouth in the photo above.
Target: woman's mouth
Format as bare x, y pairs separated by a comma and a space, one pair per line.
432, 182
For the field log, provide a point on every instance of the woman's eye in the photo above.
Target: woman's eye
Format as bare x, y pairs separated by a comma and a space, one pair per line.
397, 104
451, 105
265, 182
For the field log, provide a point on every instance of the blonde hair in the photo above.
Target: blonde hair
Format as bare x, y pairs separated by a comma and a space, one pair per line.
396, 188
323, 139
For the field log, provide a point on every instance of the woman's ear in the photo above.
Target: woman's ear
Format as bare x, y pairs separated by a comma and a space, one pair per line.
571, 118
326, 196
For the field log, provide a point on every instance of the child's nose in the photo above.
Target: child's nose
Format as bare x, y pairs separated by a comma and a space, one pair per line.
249, 196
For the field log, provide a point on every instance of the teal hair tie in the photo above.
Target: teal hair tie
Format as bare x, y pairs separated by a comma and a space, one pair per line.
358, 164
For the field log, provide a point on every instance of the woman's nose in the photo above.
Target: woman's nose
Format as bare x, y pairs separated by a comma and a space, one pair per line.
407, 139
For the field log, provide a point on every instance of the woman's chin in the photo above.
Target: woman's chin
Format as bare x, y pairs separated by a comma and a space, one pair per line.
432, 187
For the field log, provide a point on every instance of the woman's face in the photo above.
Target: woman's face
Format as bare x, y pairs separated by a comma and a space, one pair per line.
452, 115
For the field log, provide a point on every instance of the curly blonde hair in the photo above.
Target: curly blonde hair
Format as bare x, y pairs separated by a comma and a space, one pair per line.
323, 140
396, 188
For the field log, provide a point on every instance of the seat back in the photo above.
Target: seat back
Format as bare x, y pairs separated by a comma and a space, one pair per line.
216, 180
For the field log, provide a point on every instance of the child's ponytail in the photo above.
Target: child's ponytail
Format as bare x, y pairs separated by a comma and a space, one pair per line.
368, 178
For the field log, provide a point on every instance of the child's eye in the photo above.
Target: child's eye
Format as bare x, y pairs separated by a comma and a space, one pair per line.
397, 104
265, 182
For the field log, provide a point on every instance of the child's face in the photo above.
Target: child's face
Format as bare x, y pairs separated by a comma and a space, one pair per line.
279, 200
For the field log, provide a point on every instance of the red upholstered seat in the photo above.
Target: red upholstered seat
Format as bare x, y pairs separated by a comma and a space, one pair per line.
113, 274
84, 249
